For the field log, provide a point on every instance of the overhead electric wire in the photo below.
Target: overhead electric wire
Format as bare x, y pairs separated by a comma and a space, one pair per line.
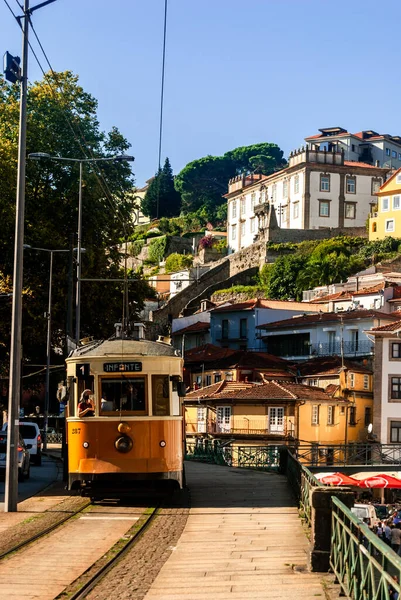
101, 180
162, 101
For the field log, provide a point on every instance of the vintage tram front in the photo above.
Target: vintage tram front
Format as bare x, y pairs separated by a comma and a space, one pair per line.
136, 431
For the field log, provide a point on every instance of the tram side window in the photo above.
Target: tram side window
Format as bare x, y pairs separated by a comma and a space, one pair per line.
160, 396
125, 395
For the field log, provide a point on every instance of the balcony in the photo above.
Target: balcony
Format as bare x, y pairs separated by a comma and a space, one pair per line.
359, 348
306, 350
242, 427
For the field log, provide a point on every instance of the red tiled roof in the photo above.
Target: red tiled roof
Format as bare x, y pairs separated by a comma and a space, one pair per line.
327, 317
207, 352
225, 358
194, 328
352, 163
247, 305
329, 365
390, 327
267, 391
396, 292
370, 290
337, 296
331, 389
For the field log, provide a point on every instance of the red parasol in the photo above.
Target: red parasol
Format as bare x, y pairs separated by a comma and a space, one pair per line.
380, 481
337, 479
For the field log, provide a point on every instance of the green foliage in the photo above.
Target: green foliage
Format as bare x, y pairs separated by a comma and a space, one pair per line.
161, 198
282, 278
322, 262
203, 182
136, 247
178, 262
51, 211
249, 291
221, 246
157, 249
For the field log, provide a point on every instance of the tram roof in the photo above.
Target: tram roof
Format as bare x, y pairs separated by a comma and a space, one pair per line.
120, 347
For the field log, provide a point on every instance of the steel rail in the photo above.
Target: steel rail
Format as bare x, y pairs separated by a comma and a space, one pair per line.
95, 579
42, 533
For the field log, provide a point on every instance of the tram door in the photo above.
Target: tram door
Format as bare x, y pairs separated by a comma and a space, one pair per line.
223, 419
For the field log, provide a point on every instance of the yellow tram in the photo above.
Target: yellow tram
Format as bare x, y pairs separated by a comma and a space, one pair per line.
135, 432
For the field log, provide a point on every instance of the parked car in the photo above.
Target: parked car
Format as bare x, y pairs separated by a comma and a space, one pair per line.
31, 435
24, 459
366, 513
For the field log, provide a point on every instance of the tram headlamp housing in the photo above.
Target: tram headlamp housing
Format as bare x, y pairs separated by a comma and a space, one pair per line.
86, 444
162, 444
124, 427
123, 444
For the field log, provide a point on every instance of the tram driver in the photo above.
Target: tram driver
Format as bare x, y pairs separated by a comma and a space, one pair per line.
86, 407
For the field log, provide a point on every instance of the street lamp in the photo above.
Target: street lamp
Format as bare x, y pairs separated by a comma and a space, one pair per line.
81, 161
48, 345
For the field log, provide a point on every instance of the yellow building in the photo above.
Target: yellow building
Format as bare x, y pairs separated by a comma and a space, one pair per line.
271, 413
386, 221
345, 379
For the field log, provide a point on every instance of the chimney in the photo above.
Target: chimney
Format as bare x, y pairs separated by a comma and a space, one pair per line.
377, 163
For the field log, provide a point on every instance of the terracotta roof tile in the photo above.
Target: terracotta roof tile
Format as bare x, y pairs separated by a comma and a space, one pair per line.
370, 290
331, 389
390, 327
327, 317
207, 352
272, 390
194, 328
329, 297
329, 365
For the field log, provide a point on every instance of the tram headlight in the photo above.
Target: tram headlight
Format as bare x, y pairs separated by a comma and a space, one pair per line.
86, 444
123, 444
162, 444
124, 427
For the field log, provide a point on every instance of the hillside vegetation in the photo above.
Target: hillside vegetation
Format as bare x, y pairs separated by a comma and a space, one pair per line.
313, 263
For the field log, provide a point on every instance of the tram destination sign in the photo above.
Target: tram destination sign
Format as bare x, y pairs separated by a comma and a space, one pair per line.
122, 367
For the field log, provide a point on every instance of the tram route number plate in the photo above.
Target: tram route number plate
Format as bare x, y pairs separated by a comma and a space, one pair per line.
122, 367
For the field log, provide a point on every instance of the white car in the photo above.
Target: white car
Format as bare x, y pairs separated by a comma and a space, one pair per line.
31, 435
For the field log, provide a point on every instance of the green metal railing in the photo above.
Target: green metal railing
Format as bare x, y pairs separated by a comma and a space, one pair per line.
265, 458
365, 567
301, 481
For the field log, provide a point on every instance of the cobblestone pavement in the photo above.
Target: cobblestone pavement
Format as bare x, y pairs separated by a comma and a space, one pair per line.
243, 539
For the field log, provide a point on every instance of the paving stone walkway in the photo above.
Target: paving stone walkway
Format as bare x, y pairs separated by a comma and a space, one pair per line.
243, 540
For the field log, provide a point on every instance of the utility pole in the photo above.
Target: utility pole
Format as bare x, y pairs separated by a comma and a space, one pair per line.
79, 259
11, 487
11, 491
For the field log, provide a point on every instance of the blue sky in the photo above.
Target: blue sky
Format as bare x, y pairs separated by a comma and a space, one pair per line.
237, 72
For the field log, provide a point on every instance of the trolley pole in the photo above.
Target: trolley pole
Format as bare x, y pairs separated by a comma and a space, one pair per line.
11, 491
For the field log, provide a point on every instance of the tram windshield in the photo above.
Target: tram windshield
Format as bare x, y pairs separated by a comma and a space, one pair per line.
123, 395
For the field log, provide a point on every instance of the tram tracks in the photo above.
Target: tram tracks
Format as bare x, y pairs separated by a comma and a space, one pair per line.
86, 582
28, 539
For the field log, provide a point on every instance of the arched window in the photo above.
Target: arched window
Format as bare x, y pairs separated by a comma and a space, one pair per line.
374, 227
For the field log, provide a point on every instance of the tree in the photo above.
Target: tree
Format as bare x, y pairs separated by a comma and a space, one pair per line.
281, 279
203, 182
63, 123
161, 198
